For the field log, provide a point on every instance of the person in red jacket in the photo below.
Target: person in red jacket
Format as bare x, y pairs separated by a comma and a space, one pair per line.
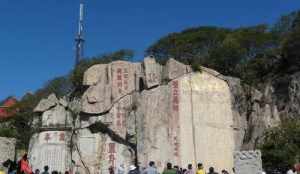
23, 166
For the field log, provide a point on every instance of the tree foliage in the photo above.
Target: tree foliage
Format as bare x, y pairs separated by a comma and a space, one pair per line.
226, 50
281, 146
250, 53
291, 45
189, 45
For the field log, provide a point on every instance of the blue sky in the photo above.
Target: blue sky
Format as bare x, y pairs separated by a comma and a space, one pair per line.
37, 36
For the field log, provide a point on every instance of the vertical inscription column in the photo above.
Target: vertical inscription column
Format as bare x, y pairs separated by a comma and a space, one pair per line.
112, 154
119, 80
120, 120
175, 123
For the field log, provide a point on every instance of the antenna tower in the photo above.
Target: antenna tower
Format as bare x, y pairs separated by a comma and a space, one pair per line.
79, 40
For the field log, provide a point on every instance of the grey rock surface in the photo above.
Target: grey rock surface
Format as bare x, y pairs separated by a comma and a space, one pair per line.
253, 113
54, 113
50, 148
7, 149
108, 84
175, 69
46, 104
153, 72
247, 162
164, 113
96, 152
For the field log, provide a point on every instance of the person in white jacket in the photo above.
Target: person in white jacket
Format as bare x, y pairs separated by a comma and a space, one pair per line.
292, 170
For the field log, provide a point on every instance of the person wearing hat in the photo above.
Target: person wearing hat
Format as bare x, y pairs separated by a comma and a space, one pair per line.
133, 170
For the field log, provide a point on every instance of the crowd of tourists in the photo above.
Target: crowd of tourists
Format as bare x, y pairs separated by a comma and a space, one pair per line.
23, 167
151, 169
170, 169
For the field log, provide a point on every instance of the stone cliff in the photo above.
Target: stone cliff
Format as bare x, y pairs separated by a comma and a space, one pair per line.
137, 112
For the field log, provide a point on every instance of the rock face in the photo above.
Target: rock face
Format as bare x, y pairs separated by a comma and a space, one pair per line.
50, 148
286, 94
253, 113
179, 123
168, 113
51, 144
95, 153
247, 162
54, 113
46, 104
107, 85
7, 149
132, 113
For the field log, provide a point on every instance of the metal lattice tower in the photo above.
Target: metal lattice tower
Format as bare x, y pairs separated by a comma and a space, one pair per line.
79, 40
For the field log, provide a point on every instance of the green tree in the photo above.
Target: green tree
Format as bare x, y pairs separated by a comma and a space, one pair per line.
256, 40
281, 146
61, 86
226, 57
291, 51
285, 24
188, 46
225, 50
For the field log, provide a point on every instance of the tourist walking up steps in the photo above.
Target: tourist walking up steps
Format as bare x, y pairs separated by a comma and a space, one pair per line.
169, 169
200, 169
151, 169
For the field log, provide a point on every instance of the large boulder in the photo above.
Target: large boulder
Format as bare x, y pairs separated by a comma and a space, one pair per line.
153, 72
175, 69
187, 121
107, 84
46, 104
97, 152
54, 113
